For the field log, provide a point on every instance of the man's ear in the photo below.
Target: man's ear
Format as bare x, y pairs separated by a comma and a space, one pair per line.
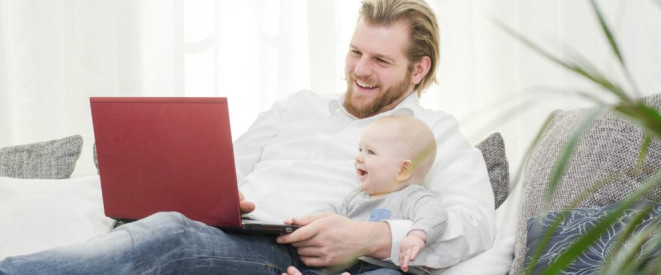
405, 171
420, 70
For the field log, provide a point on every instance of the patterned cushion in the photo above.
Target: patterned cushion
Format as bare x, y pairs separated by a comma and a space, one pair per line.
611, 146
53, 159
493, 151
578, 222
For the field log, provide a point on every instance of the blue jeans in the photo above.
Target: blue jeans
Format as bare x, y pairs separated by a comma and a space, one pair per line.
164, 243
360, 267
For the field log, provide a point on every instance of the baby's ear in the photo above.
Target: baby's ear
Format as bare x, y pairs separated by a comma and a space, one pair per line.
405, 171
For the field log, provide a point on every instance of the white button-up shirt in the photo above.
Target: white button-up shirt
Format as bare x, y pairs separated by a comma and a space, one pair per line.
299, 157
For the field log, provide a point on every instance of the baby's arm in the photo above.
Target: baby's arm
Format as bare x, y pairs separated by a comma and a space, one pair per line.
429, 221
410, 246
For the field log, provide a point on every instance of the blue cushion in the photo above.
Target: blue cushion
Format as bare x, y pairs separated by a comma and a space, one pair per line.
578, 222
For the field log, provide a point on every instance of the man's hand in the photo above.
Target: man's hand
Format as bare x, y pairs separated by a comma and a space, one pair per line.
410, 246
244, 205
328, 239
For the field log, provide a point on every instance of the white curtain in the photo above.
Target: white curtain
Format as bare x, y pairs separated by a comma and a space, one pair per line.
55, 54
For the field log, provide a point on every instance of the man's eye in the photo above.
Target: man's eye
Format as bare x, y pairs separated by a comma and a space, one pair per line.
355, 52
382, 61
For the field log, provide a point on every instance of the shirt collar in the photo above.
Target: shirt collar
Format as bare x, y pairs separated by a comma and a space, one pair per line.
406, 107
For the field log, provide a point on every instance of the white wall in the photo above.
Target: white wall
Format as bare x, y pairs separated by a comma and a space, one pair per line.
55, 54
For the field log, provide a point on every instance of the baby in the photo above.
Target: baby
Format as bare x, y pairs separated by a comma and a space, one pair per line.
394, 155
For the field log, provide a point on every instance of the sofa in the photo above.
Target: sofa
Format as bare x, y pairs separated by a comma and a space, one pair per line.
41, 206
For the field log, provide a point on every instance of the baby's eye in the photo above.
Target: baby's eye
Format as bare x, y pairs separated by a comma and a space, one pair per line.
370, 152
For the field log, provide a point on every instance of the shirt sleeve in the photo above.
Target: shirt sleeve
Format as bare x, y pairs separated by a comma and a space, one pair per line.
460, 181
428, 215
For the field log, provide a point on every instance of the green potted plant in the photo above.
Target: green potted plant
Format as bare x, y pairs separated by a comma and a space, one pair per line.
635, 257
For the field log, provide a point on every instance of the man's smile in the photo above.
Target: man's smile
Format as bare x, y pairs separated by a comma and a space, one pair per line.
365, 85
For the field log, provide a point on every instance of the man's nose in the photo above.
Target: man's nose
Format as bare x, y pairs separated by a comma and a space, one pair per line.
363, 67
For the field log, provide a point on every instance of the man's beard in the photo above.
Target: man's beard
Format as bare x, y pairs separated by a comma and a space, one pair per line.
377, 104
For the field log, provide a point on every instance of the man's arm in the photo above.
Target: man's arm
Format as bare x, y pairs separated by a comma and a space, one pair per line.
329, 239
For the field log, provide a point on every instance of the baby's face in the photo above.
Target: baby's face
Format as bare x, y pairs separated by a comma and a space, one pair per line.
378, 162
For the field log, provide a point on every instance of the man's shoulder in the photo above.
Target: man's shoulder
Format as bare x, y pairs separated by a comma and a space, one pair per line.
440, 122
432, 115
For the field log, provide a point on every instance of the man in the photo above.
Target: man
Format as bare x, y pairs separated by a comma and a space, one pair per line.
297, 157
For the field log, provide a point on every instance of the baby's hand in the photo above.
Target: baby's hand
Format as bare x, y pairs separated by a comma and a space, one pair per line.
410, 246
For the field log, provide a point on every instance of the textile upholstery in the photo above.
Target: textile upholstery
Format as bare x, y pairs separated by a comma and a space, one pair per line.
493, 151
609, 148
578, 222
55, 159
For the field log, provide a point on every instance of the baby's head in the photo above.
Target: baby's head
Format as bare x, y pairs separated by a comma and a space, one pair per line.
393, 152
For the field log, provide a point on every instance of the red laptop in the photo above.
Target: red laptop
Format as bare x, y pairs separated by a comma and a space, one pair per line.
169, 154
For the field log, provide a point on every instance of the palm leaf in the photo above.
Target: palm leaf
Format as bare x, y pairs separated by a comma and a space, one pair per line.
581, 68
608, 33
643, 153
642, 114
639, 260
613, 44
615, 266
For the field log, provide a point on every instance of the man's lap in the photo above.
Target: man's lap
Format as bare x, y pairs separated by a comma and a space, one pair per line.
162, 243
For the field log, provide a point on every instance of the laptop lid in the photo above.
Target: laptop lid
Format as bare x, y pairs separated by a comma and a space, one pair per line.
166, 154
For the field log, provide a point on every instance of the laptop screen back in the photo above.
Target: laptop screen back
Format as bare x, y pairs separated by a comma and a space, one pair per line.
166, 154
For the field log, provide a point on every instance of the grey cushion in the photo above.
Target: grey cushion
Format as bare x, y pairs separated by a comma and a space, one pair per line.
96, 160
580, 221
493, 151
609, 147
55, 159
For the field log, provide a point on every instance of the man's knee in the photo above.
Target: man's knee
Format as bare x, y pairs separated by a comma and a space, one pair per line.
160, 231
159, 225
167, 218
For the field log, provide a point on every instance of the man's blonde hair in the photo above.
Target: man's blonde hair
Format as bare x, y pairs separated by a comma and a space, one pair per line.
423, 29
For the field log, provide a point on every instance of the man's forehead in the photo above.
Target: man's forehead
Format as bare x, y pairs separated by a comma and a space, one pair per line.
389, 40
